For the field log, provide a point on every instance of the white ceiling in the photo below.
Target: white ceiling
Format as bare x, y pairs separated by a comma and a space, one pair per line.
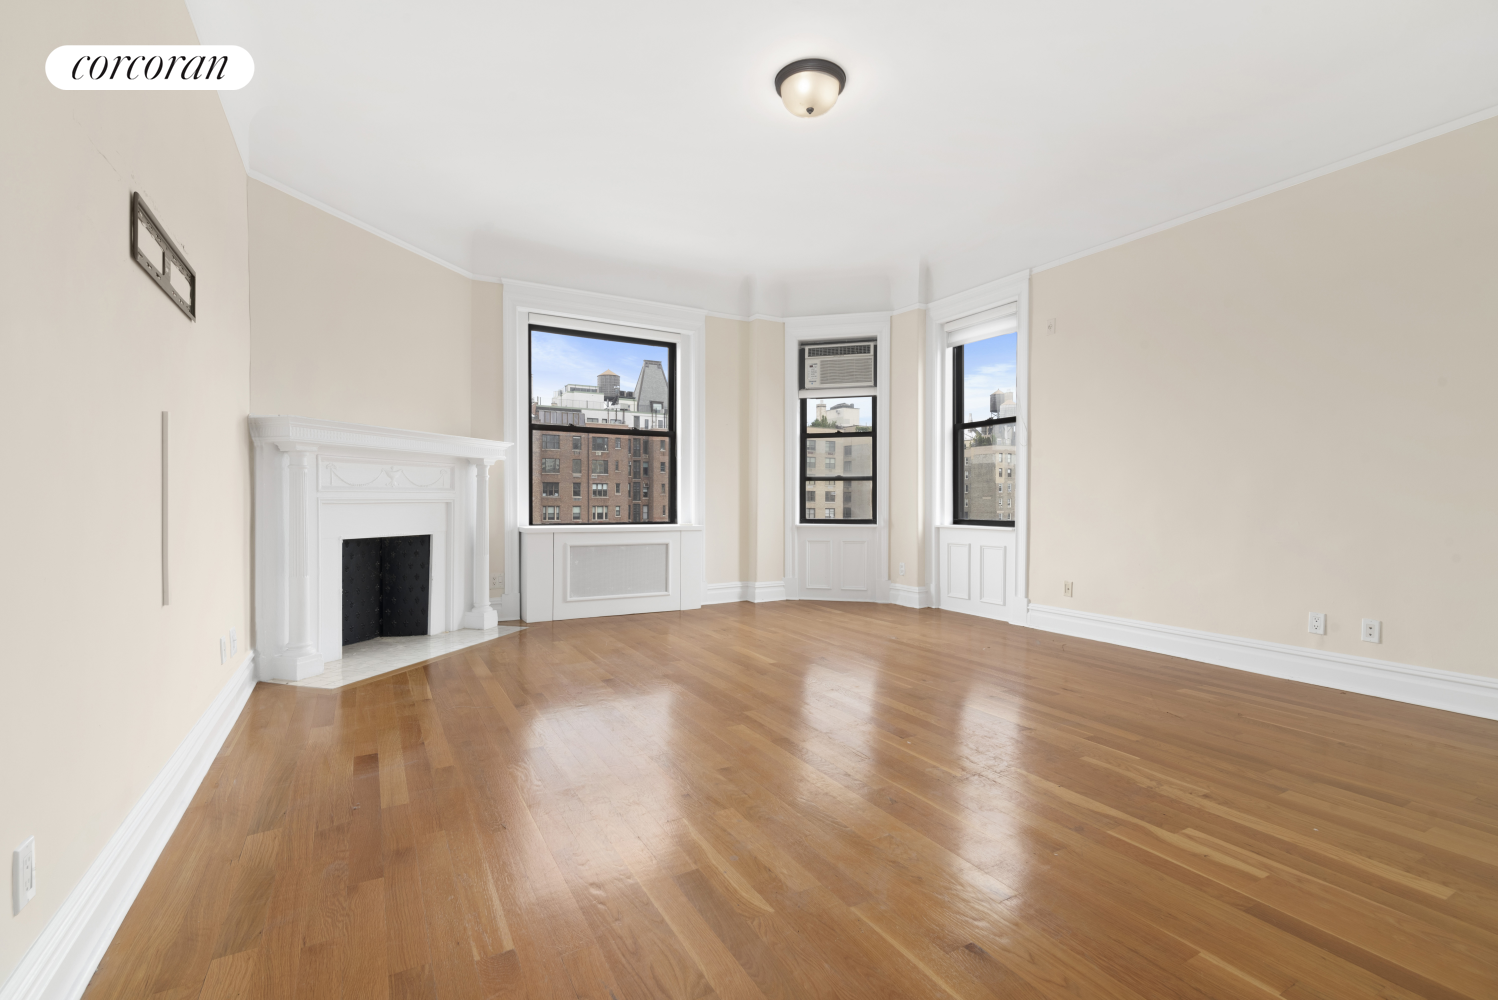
639, 148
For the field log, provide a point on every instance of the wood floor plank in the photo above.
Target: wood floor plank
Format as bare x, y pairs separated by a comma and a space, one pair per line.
752, 802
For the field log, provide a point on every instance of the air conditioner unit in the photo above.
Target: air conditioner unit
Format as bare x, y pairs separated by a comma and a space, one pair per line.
837, 366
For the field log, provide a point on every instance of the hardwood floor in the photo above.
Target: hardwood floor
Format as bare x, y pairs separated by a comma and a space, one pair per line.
826, 800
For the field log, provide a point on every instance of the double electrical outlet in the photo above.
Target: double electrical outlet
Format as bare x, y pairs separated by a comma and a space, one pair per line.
1372, 631
22, 875
228, 647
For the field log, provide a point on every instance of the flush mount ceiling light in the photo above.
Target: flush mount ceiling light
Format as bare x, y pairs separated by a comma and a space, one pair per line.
810, 87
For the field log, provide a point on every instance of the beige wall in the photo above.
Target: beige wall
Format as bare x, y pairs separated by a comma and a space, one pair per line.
766, 456
1285, 407
907, 447
729, 533
486, 392
745, 451
100, 682
349, 326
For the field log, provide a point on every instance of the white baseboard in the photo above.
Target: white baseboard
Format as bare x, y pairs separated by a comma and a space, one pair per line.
764, 592
909, 597
62, 960
1467, 694
726, 593
759, 593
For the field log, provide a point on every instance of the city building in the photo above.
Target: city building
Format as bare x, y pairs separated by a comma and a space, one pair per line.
579, 474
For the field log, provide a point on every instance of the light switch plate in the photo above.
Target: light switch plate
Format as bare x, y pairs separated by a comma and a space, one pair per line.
23, 875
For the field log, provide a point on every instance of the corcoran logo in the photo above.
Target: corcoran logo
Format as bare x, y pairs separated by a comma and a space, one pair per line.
149, 67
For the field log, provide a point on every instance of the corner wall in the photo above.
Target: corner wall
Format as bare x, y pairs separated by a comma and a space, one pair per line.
1284, 407
907, 448
349, 326
746, 451
101, 681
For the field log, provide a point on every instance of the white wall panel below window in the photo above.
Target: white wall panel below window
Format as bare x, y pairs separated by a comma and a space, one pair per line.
977, 572
587, 572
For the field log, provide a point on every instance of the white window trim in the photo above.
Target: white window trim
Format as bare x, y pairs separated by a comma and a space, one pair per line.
605, 313
800, 330
960, 319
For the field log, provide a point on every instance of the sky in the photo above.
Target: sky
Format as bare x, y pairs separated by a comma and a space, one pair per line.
557, 358
987, 365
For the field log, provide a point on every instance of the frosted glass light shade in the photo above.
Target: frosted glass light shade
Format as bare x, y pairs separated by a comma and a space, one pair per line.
809, 88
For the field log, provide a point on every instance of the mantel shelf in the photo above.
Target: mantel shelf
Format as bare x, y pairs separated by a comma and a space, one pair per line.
287, 430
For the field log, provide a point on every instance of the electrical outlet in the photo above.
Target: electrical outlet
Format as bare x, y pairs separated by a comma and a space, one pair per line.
1050, 326
1066, 587
1316, 623
223, 650
494, 580
23, 875
1373, 630
902, 569
233, 642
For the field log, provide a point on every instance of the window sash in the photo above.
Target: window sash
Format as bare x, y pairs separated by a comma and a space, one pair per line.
668, 491
961, 476
822, 475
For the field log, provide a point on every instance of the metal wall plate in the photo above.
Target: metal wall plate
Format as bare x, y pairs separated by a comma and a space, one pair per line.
159, 257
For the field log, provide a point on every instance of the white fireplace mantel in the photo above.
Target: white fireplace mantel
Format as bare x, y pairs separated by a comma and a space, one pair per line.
318, 482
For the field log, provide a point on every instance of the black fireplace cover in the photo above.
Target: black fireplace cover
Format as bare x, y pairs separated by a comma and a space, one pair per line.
386, 586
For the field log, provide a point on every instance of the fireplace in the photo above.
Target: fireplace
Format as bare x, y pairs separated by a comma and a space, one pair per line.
411, 503
386, 586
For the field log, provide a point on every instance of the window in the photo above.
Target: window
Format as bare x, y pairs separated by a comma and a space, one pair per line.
984, 429
845, 426
550, 513
619, 393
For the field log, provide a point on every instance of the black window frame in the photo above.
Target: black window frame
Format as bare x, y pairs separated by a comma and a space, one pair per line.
614, 430
872, 478
958, 427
